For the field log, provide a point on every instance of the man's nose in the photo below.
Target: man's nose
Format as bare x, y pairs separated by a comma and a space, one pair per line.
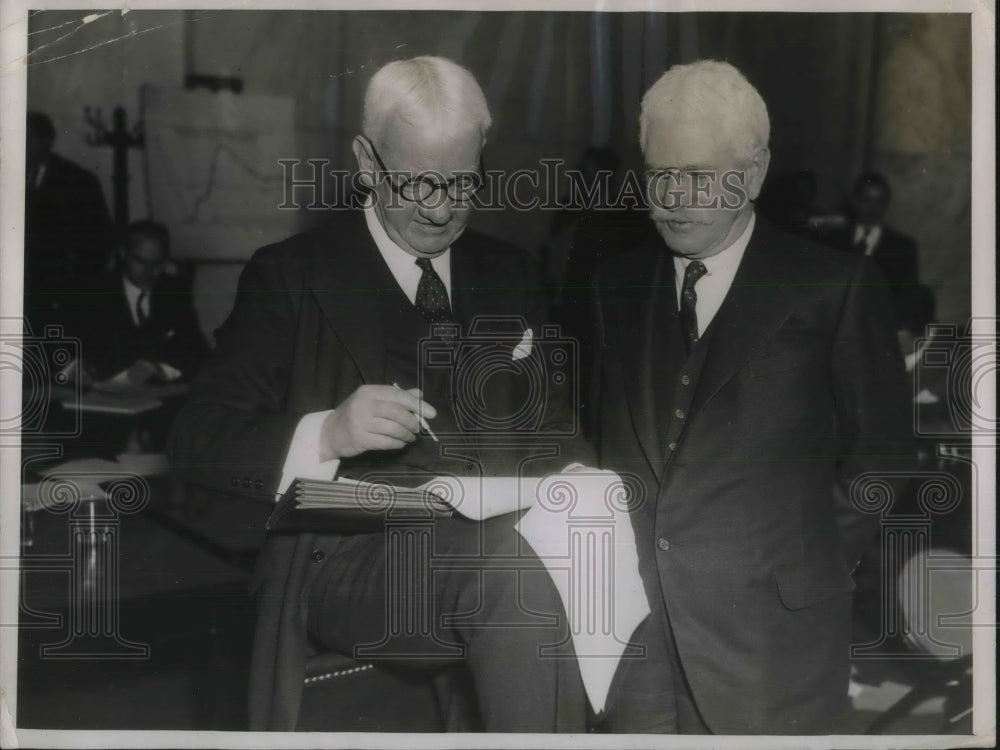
438, 208
666, 205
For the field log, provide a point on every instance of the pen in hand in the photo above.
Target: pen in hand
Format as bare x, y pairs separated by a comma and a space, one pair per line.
423, 422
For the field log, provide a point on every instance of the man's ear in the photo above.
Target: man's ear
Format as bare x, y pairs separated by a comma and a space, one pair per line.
757, 171
366, 164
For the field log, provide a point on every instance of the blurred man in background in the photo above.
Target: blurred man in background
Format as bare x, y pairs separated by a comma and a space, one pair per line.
139, 319
67, 229
866, 233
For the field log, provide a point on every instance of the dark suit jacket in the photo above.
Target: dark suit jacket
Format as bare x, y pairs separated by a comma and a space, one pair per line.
305, 333
67, 238
112, 342
801, 392
895, 254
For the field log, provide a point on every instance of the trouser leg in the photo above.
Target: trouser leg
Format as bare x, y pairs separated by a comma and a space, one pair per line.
651, 694
487, 601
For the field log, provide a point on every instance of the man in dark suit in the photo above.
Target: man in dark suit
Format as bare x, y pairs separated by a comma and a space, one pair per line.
302, 384
867, 233
139, 318
749, 378
67, 229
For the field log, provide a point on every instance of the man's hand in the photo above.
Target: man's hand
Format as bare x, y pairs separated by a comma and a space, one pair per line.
79, 373
141, 371
373, 418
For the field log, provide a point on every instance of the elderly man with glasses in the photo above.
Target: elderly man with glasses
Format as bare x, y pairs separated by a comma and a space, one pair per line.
345, 344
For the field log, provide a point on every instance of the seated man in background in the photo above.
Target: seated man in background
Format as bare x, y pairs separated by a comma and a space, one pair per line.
866, 233
139, 318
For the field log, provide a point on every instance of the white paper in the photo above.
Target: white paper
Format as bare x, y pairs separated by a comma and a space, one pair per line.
480, 498
580, 529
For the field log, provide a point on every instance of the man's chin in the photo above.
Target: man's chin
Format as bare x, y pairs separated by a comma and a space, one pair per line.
432, 242
682, 237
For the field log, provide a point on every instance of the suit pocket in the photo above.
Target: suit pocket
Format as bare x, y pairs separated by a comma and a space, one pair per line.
759, 367
801, 586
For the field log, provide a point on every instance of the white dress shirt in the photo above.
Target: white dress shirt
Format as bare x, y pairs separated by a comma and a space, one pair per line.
713, 287
39, 176
871, 236
132, 293
302, 459
403, 265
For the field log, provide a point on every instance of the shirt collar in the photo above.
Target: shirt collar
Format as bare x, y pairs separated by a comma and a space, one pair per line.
402, 265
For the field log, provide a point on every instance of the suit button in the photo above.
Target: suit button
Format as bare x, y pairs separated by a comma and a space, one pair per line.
679, 413
235, 481
685, 380
318, 555
663, 544
258, 484
672, 446
246, 481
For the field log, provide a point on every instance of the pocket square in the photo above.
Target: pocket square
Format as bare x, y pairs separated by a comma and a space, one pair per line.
523, 349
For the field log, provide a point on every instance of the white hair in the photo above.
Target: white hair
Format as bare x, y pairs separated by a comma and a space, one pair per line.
709, 89
428, 87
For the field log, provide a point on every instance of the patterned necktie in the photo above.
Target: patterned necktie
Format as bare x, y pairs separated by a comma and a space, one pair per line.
432, 297
140, 312
689, 300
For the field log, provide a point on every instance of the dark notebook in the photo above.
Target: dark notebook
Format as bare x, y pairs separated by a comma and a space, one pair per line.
346, 506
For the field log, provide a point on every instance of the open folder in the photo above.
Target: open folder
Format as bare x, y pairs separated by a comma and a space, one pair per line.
345, 506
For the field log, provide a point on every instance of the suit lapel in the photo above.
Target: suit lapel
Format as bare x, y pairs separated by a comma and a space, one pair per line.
464, 277
484, 291
641, 322
348, 277
752, 312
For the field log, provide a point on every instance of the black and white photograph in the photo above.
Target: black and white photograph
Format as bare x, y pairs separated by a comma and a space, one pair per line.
509, 374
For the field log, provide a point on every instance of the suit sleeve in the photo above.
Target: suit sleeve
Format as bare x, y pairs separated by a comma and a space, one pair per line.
872, 408
233, 433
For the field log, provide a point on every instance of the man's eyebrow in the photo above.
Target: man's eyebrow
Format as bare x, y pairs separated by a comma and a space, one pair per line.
685, 168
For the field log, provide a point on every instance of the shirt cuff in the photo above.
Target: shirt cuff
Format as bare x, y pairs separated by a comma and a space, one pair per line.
302, 460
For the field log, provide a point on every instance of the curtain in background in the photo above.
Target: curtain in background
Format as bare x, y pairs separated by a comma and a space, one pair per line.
558, 82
